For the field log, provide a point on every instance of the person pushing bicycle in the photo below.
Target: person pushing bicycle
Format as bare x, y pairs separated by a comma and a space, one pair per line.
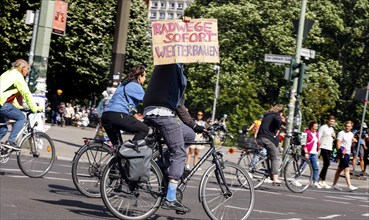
13, 84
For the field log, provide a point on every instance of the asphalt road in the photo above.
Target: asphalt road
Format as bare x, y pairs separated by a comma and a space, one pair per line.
54, 196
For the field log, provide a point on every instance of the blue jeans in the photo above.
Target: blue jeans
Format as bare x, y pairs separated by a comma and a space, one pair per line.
255, 158
315, 164
8, 111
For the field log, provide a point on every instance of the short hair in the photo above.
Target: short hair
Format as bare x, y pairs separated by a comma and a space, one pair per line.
348, 122
331, 117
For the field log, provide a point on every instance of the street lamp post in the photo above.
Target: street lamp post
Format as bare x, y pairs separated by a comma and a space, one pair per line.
216, 93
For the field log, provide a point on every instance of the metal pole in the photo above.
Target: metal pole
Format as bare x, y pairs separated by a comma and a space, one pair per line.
33, 41
292, 101
362, 121
120, 42
216, 92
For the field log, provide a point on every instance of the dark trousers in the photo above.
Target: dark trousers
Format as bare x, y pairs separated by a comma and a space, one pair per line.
175, 134
114, 122
326, 155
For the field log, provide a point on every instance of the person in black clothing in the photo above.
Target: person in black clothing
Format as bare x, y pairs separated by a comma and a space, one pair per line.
55, 103
268, 137
163, 101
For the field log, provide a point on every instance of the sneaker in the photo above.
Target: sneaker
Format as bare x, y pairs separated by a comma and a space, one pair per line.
352, 188
296, 183
175, 205
336, 188
11, 145
325, 185
188, 167
199, 168
317, 185
364, 173
267, 180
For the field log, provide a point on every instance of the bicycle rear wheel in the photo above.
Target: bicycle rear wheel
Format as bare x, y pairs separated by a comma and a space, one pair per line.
125, 201
298, 174
220, 204
37, 154
257, 173
87, 167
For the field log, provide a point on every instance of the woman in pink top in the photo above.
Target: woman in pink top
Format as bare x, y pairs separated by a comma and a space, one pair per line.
311, 150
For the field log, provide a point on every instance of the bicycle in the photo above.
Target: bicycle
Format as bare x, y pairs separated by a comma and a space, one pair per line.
88, 164
37, 154
225, 190
296, 169
221, 132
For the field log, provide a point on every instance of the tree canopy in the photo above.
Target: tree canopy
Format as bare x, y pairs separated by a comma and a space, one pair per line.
79, 62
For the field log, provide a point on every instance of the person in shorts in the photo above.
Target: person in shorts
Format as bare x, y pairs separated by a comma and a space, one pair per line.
195, 149
344, 142
358, 152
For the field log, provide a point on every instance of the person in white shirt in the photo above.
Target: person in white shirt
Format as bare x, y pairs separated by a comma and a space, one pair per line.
327, 136
344, 142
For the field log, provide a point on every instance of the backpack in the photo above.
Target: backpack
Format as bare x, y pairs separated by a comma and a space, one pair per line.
135, 161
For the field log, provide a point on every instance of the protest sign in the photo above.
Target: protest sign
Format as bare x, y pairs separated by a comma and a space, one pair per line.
175, 41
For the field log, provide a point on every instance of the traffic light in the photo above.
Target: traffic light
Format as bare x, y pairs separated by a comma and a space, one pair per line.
294, 66
302, 77
32, 80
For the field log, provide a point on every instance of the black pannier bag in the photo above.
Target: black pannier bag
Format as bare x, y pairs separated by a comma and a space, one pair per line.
136, 157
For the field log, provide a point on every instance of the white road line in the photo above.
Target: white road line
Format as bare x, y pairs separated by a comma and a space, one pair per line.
267, 192
366, 215
263, 211
336, 201
54, 178
341, 198
330, 216
18, 176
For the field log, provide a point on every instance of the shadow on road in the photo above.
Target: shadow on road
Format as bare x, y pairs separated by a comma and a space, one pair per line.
63, 190
80, 207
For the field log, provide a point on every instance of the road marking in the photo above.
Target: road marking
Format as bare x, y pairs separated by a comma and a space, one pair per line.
366, 215
330, 216
274, 193
263, 211
336, 201
54, 178
18, 176
341, 198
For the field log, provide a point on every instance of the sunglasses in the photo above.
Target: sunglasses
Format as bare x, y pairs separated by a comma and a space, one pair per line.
199, 114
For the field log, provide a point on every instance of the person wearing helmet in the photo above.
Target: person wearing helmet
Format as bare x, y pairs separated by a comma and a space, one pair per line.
55, 102
12, 84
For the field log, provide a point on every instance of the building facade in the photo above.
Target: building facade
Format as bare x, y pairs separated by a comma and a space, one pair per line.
167, 9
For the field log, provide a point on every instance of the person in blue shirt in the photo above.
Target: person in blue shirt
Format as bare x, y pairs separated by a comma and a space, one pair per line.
121, 111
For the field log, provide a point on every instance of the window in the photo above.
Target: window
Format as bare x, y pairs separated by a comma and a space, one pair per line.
179, 16
154, 5
162, 15
180, 6
163, 5
153, 15
172, 5
170, 15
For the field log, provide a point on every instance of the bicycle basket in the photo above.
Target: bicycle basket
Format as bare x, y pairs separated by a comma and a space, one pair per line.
246, 142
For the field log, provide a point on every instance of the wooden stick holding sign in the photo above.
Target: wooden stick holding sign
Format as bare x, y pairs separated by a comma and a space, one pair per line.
185, 41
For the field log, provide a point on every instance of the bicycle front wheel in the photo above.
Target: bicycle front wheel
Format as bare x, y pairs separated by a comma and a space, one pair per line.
37, 154
87, 167
256, 173
298, 174
127, 201
218, 202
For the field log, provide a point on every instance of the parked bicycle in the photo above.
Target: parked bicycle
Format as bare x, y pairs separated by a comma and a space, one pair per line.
296, 169
225, 191
37, 154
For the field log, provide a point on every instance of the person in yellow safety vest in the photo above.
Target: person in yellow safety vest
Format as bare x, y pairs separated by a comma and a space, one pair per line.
13, 84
